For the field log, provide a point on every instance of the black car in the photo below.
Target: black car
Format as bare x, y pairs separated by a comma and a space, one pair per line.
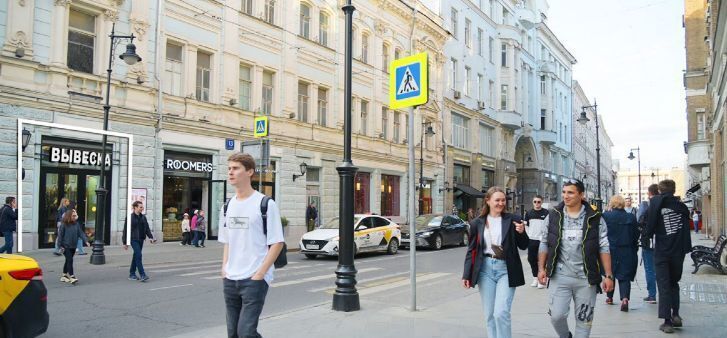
437, 230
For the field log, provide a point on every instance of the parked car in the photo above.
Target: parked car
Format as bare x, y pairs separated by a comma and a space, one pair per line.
437, 230
371, 233
23, 297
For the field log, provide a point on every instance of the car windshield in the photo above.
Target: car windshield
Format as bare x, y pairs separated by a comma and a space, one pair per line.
426, 221
333, 223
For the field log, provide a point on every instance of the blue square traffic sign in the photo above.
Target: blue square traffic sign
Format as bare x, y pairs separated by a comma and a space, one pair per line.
408, 81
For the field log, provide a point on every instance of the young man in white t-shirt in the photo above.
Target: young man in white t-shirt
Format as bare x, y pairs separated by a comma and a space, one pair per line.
248, 256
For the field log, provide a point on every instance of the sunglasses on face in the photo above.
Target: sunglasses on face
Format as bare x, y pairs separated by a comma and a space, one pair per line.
537, 202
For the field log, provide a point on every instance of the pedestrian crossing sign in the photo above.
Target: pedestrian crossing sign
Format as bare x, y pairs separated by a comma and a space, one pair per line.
409, 81
261, 126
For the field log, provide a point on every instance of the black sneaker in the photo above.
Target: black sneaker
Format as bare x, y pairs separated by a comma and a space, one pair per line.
666, 328
56, 253
676, 321
650, 300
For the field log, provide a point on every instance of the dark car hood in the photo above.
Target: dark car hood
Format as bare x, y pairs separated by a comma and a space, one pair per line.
406, 231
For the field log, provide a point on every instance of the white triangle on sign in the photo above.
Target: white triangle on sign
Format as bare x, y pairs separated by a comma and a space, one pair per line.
261, 126
408, 83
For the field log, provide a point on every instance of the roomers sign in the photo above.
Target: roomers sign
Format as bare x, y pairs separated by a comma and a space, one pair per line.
177, 164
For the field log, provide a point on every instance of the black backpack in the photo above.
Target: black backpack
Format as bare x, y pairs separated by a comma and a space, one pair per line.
282, 259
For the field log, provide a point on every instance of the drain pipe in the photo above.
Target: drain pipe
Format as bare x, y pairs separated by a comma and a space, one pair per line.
160, 104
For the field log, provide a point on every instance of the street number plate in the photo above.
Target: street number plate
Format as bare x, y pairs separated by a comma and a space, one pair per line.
312, 247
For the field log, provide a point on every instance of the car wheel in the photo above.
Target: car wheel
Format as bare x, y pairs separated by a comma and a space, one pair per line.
393, 247
311, 256
437, 242
465, 239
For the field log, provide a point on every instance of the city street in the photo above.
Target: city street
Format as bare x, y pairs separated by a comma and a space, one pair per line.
184, 299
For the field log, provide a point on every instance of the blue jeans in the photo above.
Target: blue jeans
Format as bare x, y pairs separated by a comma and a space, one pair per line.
244, 300
497, 296
136, 264
79, 247
195, 237
648, 256
8, 247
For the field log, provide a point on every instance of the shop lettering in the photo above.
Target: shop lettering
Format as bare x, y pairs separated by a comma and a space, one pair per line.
75, 156
188, 165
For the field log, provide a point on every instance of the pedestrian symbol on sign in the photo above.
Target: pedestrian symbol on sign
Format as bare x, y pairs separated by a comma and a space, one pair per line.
409, 81
408, 84
261, 126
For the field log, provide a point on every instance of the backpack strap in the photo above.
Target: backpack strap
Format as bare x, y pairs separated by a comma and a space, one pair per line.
264, 213
224, 211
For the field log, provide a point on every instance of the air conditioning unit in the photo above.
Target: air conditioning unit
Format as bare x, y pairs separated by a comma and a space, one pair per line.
457, 94
480, 105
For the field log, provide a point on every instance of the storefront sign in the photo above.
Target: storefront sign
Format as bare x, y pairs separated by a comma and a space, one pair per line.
202, 167
75, 156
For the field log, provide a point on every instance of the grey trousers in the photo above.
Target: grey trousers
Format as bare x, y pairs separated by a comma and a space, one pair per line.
244, 300
561, 290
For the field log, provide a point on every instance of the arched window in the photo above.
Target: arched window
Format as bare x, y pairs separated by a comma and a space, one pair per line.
385, 59
323, 23
365, 48
305, 21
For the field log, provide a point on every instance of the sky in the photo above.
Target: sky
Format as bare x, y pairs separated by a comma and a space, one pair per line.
631, 59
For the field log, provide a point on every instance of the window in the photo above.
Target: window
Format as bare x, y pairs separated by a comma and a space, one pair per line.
390, 195
173, 70
453, 77
461, 174
397, 54
270, 11
480, 87
491, 90
267, 100
397, 126
468, 80
700, 126
204, 73
365, 48
364, 116
246, 7
503, 97
323, 29
384, 122
385, 58
460, 133
361, 194
81, 41
322, 106
480, 41
543, 114
492, 50
542, 84
468, 33
303, 101
487, 140
454, 22
503, 61
305, 21
488, 179
505, 16
245, 86
492, 9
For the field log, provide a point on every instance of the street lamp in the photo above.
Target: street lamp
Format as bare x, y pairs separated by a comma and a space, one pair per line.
522, 181
631, 157
130, 58
583, 119
303, 169
429, 132
345, 298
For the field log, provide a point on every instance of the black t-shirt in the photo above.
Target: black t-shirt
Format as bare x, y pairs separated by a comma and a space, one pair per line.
536, 214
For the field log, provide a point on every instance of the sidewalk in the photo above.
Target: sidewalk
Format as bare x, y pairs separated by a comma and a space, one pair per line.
704, 296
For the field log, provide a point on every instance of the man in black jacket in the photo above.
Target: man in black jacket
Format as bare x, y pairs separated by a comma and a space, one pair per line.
139, 232
668, 220
535, 221
8, 223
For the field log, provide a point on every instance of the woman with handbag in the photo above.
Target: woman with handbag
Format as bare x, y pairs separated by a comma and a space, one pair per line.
493, 262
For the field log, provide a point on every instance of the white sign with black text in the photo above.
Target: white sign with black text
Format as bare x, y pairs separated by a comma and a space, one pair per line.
75, 156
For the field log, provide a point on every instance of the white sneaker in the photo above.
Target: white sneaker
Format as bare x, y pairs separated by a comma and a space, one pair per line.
534, 283
541, 286
65, 279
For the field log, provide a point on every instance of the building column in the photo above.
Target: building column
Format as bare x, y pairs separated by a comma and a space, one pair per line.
59, 33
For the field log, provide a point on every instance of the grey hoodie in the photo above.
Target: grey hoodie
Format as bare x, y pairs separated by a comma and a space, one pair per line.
69, 235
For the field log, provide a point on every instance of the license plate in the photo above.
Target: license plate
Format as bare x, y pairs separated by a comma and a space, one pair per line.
405, 240
312, 247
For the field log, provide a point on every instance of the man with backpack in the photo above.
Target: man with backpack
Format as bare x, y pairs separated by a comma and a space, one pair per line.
252, 234
668, 221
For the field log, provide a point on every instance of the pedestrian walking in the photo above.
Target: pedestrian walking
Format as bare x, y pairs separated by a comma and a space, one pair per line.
535, 222
311, 215
70, 235
628, 207
668, 220
623, 240
572, 253
647, 247
186, 230
695, 219
8, 223
62, 208
493, 262
193, 226
139, 233
249, 251
201, 229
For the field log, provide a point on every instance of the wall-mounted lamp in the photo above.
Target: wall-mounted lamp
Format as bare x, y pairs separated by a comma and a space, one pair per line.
233, 102
303, 168
26, 138
446, 187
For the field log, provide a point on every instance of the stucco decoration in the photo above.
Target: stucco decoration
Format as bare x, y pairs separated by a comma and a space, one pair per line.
111, 15
140, 27
20, 40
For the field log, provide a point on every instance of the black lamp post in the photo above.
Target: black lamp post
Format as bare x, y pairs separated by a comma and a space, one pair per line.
631, 157
429, 132
583, 119
130, 57
345, 298
522, 182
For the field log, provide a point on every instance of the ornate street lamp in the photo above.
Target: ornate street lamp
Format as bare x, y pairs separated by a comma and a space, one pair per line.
631, 157
583, 119
429, 132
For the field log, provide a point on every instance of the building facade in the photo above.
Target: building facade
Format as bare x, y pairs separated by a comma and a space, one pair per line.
628, 181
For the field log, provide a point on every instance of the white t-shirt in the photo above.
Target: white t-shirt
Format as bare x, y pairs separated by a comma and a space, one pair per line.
242, 230
495, 229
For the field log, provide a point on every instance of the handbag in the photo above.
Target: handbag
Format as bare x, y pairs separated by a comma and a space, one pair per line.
497, 249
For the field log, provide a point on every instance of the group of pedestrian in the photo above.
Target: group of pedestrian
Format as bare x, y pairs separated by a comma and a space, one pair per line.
577, 252
64, 207
194, 231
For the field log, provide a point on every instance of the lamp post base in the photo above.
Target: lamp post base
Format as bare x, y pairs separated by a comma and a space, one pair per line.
97, 255
346, 296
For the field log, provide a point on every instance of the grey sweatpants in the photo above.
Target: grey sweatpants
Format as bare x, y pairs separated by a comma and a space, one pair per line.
561, 290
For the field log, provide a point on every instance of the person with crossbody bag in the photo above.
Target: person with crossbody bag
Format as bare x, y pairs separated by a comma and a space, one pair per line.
253, 240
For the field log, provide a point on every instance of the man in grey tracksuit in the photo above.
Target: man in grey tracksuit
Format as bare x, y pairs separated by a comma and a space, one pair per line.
572, 252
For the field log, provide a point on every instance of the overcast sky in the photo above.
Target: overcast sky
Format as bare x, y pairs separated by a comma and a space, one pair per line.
631, 59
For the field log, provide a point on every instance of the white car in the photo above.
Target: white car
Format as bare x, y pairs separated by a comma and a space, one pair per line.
371, 233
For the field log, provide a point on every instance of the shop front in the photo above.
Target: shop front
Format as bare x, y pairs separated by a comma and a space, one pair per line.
69, 169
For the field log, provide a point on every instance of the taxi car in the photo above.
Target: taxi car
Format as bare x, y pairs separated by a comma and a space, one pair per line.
23, 297
371, 233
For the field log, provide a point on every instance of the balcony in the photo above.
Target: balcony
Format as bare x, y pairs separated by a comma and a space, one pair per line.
508, 32
509, 119
546, 67
697, 153
526, 17
546, 137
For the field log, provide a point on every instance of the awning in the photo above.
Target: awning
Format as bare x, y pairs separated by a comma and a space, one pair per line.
469, 190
